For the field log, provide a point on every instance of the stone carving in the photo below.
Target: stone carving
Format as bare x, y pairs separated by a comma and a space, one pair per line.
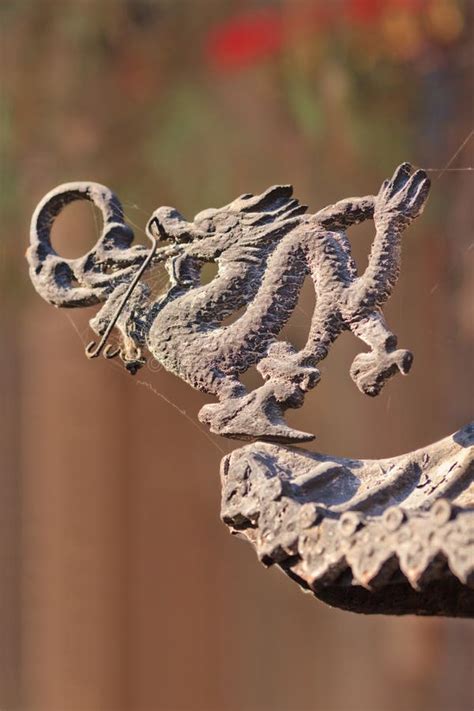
391, 535
368, 536
264, 247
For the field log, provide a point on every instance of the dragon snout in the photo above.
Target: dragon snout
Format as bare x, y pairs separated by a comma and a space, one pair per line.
166, 223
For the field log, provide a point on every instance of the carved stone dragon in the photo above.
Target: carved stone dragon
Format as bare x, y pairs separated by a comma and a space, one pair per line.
264, 247
393, 535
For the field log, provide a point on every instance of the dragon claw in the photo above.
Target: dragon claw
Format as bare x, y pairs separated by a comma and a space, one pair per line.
370, 371
404, 195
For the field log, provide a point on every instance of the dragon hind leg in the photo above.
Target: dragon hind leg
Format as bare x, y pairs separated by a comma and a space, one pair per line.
256, 415
290, 373
259, 414
370, 371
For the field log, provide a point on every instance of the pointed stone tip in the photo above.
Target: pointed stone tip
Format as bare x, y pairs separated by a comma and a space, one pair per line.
275, 435
286, 436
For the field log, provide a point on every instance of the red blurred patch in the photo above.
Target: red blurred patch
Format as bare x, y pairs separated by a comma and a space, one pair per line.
245, 39
251, 37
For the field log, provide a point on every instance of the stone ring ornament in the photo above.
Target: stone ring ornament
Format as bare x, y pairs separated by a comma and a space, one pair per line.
393, 536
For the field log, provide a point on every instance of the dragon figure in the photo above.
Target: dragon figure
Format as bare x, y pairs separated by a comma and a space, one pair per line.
264, 247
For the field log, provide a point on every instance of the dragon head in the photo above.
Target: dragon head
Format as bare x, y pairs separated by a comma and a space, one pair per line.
275, 206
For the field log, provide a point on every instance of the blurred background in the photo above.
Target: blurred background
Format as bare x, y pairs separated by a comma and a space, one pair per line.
120, 590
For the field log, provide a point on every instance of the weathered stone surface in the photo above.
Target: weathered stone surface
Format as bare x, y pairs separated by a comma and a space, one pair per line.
392, 535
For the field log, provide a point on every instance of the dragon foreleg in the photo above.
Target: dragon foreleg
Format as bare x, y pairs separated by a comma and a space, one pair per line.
399, 201
347, 212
